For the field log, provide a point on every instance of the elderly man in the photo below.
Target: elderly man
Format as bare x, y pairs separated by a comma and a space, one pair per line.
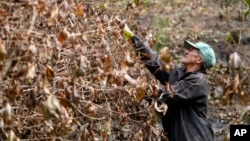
187, 91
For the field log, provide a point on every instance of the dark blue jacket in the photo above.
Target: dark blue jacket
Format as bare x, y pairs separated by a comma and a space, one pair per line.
185, 119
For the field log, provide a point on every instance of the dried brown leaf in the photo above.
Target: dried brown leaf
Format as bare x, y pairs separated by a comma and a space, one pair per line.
235, 61
108, 63
3, 13
92, 110
7, 118
153, 88
107, 127
139, 135
141, 86
124, 67
79, 9
165, 55
12, 136
236, 83
167, 68
3, 52
49, 72
51, 107
62, 36
129, 61
231, 90
15, 91
30, 71
33, 48
41, 6
53, 16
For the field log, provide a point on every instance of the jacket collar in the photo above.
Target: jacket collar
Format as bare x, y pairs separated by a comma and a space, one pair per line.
183, 74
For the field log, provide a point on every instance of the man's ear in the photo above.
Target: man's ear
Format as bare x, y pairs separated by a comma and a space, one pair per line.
200, 60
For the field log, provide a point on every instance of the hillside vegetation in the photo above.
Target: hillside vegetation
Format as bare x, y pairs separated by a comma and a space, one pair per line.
67, 72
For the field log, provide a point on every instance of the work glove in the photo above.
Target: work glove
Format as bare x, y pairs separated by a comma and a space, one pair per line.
162, 94
137, 42
142, 48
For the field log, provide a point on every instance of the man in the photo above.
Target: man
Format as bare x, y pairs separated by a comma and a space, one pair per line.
185, 90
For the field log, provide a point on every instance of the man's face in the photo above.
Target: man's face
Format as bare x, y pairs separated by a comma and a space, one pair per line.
192, 56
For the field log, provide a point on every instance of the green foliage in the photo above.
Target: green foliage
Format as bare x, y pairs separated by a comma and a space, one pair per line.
162, 41
146, 1
233, 36
248, 7
229, 38
162, 37
229, 2
136, 2
102, 6
246, 2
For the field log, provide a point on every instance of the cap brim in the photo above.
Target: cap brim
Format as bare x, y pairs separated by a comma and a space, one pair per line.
188, 45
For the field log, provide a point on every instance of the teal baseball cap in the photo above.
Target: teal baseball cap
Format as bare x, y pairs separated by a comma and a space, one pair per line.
205, 50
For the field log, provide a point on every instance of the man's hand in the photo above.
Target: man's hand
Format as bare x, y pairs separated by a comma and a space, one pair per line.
162, 108
137, 42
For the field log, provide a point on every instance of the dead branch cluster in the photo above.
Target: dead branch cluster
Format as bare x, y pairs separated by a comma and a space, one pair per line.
62, 64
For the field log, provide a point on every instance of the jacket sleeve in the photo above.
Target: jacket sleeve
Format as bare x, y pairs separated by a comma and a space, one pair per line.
151, 60
186, 91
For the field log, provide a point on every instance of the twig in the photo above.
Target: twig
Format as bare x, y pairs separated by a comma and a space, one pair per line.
10, 3
45, 138
33, 19
73, 105
130, 79
110, 110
